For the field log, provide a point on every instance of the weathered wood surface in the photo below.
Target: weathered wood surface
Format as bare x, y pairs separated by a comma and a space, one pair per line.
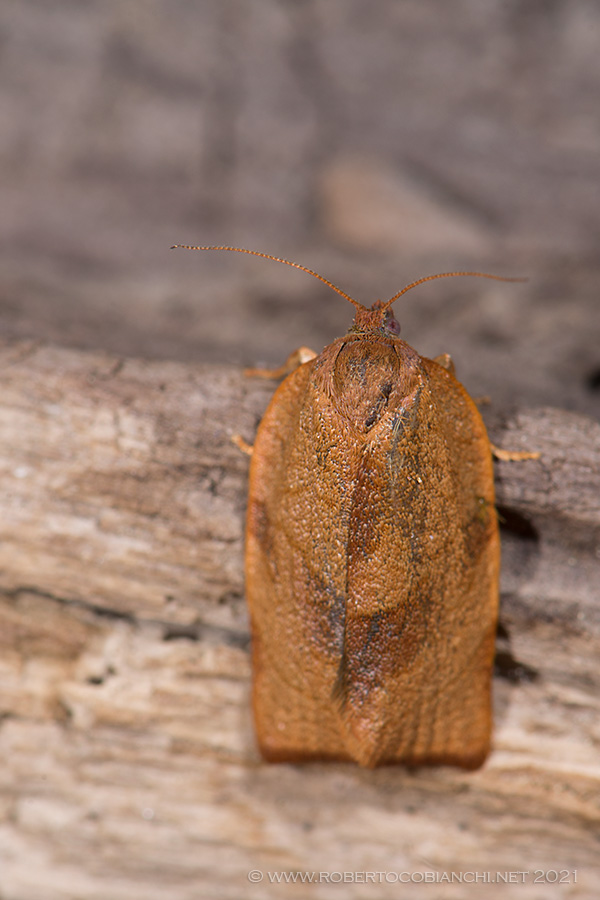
129, 767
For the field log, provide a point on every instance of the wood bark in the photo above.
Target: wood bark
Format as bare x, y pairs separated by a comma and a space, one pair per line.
129, 765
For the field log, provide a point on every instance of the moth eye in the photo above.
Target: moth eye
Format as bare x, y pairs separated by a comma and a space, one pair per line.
391, 323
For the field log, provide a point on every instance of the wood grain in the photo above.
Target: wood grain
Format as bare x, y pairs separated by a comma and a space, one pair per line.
129, 765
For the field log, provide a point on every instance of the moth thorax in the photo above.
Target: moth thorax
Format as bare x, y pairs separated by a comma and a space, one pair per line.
366, 374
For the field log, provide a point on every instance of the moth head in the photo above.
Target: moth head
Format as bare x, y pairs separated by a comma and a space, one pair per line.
379, 317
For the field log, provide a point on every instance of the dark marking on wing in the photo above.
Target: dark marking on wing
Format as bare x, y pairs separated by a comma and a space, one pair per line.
479, 527
405, 420
374, 647
379, 406
324, 614
260, 524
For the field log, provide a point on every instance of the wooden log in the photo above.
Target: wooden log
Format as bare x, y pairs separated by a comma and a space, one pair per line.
129, 766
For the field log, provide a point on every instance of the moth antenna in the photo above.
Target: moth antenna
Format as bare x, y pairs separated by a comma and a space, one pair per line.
409, 287
287, 263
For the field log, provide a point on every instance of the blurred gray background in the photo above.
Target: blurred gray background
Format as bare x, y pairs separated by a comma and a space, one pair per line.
374, 142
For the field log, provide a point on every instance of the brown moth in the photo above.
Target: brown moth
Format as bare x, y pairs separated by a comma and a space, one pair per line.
372, 556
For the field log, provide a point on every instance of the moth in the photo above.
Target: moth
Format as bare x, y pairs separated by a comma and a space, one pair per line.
372, 556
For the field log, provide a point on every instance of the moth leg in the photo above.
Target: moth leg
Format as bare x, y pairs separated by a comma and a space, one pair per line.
512, 455
294, 360
241, 444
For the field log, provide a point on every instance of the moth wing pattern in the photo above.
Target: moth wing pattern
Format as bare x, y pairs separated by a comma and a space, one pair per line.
372, 563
